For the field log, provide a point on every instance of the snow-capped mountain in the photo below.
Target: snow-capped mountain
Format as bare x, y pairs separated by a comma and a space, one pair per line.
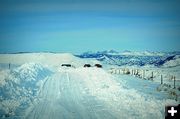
144, 53
174, 62
132, 58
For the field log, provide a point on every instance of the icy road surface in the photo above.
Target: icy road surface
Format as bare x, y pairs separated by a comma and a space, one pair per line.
91, 93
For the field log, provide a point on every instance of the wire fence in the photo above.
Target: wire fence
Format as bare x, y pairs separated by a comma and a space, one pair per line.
148, 75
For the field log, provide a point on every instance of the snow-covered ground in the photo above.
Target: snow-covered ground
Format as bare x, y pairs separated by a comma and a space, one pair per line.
37, 87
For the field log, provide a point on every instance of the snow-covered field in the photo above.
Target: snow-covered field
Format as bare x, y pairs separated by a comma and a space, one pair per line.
35, 86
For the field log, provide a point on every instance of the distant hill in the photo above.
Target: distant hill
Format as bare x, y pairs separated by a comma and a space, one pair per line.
133, 58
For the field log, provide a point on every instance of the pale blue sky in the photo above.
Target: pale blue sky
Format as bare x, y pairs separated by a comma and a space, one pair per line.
89, 25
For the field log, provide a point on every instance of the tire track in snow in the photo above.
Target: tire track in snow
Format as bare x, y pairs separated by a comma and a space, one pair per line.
62, 97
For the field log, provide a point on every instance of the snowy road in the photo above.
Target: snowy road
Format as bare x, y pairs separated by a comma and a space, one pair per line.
62, 97
91, 94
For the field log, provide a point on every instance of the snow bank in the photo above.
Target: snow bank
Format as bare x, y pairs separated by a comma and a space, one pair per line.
3, 75
30, 71
19, 86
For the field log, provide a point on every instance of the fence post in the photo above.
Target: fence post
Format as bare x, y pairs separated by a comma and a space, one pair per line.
161, 79
132, 72
143, 74
152, 75
174, 82
9, 65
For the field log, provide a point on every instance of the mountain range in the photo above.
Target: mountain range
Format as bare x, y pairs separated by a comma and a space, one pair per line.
130, 58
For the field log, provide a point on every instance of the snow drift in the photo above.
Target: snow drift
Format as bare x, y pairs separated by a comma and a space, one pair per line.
18, 87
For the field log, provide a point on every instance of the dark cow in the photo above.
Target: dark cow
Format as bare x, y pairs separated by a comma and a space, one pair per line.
87, 65
98, 65
66, 65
